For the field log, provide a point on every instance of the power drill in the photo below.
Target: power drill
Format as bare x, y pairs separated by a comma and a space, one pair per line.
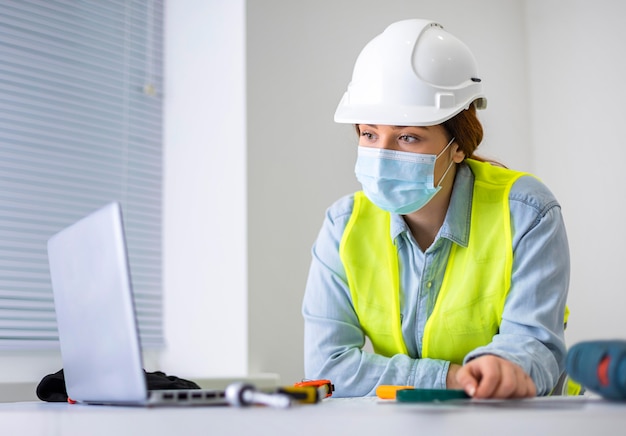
600, 366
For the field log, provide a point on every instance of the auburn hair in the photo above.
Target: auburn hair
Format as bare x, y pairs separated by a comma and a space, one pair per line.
467, 131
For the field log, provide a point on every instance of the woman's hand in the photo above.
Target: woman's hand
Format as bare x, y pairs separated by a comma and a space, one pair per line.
491, 376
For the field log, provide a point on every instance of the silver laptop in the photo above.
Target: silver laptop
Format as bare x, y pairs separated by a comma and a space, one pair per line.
98, 332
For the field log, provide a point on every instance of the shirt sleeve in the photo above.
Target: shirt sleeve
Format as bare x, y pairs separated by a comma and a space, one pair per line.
333, 338
531, 333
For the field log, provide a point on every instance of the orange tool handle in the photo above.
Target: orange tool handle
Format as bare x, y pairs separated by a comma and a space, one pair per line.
388, 392
325, 385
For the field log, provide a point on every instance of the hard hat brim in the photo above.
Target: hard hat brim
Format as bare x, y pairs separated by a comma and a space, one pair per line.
397, 115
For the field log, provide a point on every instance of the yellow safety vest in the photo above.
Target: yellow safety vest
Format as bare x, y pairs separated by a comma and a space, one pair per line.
469, 307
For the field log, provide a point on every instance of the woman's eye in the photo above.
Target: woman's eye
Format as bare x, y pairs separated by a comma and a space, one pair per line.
408, 138
367, 135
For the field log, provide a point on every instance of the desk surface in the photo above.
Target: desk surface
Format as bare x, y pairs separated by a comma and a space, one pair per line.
359, 416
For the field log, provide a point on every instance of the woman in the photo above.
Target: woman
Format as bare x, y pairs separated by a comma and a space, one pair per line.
456, 270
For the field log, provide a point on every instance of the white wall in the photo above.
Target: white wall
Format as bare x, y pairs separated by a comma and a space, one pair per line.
204, 250
577, 101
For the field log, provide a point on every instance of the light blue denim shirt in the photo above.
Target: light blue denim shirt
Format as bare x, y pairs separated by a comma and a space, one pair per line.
531, 333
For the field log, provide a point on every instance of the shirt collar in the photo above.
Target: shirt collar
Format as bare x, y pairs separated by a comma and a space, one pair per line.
456, 224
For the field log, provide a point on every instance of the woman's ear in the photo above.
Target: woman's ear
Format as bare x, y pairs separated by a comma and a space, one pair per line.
457, 153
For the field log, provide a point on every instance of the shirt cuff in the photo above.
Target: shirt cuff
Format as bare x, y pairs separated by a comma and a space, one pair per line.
431, 374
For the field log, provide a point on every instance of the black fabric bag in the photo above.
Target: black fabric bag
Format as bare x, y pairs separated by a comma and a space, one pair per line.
52, 387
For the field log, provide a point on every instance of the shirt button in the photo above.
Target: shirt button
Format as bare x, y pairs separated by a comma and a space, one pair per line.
429, 284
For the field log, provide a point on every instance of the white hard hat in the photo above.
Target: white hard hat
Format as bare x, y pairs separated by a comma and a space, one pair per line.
413, 74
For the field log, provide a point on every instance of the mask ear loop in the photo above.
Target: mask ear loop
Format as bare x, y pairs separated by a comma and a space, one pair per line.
449, 166
445, 148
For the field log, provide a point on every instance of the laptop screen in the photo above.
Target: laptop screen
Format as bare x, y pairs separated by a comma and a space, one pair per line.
93, 300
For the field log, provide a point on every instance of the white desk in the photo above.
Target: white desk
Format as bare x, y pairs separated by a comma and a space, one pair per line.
363, 416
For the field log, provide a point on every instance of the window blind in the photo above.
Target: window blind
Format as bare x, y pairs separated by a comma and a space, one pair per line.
80, 126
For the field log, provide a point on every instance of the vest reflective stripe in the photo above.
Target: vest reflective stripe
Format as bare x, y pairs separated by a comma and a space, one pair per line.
470, 302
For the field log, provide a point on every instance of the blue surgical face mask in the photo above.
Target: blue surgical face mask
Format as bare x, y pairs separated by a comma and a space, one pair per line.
398, 181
